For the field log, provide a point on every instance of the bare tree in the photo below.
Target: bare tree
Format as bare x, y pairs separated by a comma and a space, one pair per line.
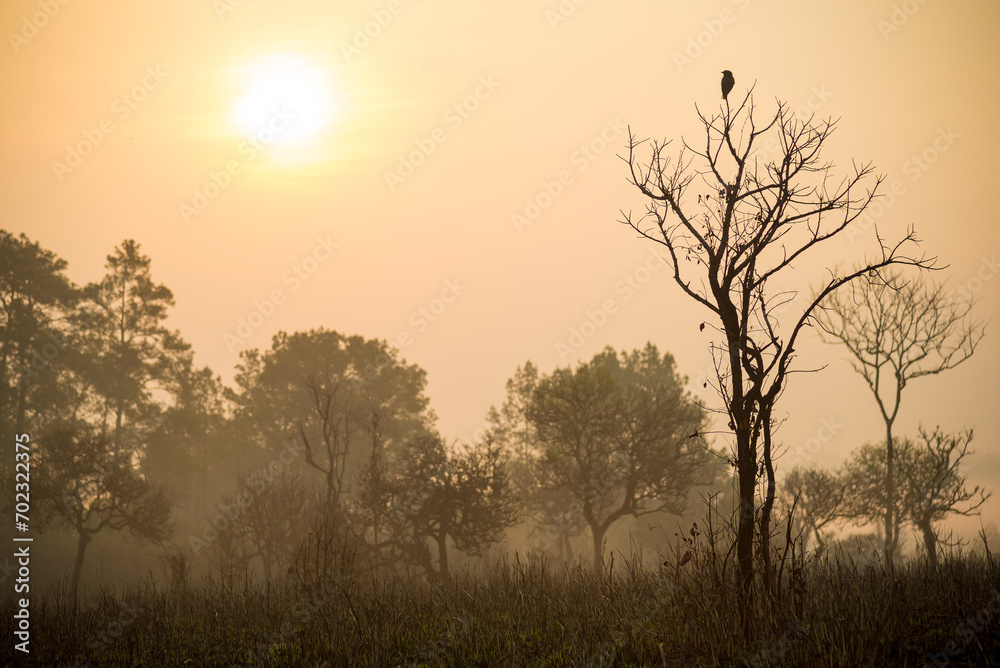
931, 486
898, 328
271, 518
734, 218
331, 411
935, 486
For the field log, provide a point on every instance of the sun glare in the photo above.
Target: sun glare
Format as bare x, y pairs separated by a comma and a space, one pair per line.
286, 101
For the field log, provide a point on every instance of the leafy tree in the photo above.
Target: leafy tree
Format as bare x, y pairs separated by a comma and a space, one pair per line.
618, 437
863, 477
898, 328
323, 389
735, 217
35, 298
191, 447
930, 488
557, 520
85, 481
127, 351
817, 495
510, 425
271, 516
463, 496
375, 489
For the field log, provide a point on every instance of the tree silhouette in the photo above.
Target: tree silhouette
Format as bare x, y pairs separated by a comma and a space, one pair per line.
126, 351
464, 496
615, 439
88, 483
817, 495
35, 300
322, 389
931, 486
734, 219
271, 515
937, 487
898, 328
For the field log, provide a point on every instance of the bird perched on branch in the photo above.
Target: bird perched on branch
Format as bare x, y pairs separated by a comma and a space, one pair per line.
727, 83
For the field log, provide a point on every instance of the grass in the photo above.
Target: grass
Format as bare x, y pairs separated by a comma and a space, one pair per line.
831, 612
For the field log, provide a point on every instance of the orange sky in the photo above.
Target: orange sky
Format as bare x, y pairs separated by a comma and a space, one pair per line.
494, 101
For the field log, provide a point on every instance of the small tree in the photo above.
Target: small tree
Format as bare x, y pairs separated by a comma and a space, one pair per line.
898, 328
930, 488
271, 518
934, 486
863, 477
375, 489
465, 496
817, 495
618, 437
734, 219
87, 483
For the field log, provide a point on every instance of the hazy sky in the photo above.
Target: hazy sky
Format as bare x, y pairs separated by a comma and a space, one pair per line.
262, 149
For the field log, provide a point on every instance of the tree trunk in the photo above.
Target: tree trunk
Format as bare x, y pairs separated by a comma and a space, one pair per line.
442, 541
930, 542
598, 535
747, 471
565, 548
81, 550
890, 492
765, 510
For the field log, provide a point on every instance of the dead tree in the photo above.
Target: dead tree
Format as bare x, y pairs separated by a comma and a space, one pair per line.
331, 411
734, 216
898, 328
936, 487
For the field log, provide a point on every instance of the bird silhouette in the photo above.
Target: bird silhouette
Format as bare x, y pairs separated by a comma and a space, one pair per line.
727, 83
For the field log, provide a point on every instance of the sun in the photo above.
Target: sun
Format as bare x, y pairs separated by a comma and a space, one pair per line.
286, 100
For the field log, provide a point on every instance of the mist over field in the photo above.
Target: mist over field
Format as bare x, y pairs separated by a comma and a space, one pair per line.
559, 333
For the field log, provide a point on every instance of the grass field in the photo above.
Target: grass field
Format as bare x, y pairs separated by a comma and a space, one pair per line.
828, 612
